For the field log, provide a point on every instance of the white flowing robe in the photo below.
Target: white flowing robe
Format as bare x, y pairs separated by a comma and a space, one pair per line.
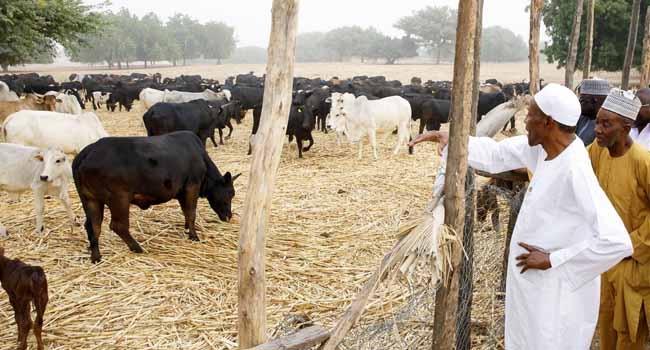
566, 213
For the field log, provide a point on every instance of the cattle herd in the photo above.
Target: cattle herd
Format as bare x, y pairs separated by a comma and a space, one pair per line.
43, 122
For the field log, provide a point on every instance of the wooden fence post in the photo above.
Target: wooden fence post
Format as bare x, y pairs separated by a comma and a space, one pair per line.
460, 120
573, 46
267, 149
589, 42
645, 68
631, 42
533, 44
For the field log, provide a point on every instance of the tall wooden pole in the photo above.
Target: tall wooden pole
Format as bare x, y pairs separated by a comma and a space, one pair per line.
460, 120
573, 46
589, 44
466, 280
645, 68
267, 148
631, 42
533, 44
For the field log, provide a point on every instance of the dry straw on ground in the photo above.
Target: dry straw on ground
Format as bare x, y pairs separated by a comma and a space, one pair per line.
333, 219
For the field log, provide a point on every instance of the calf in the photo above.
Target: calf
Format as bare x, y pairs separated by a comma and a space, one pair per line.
70, 133
196, 116
228, 112
45, 172
146, 171
100, 97
30, 102
25, 285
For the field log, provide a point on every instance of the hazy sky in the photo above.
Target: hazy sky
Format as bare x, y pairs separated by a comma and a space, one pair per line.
252, 18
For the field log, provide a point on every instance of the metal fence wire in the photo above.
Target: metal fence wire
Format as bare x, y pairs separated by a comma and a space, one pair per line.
410, 326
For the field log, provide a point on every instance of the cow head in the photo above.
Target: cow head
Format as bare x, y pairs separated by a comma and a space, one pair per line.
56, 167
220, 192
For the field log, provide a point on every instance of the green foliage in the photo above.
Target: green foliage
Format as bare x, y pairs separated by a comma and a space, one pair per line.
127, 38
612, 21
433, 28
345, 42
499, 44
30, 28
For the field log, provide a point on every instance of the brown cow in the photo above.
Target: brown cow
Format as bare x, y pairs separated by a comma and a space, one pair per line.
25, 284
31, 101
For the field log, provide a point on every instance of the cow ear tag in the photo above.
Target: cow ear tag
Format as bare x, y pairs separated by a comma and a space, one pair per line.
300, 109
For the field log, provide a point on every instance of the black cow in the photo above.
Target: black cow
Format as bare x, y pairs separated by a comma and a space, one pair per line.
319, 105
301, 123
228, 111
487, 101
249, 97
434, 113
145, 171
196, 116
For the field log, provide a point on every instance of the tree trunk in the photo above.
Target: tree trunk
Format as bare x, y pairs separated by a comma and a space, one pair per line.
631, 42
533, 44
5, 68
465, 295
589, 44
645, 69
267, 148
119, 64
460, 122
439, 53
145, 62
573, 46
127, 64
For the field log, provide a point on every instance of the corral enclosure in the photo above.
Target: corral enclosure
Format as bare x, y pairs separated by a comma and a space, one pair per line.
332, 220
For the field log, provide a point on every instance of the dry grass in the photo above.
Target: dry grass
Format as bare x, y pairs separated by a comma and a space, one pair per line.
333, 218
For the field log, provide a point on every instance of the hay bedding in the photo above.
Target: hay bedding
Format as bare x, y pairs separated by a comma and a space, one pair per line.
333, 219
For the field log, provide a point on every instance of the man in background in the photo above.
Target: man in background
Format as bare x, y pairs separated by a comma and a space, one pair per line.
592, 95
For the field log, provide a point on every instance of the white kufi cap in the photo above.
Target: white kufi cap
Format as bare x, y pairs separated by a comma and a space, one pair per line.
560, 103
623, 103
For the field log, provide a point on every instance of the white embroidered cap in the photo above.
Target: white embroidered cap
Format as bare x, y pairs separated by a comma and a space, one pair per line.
560, 103
623, 103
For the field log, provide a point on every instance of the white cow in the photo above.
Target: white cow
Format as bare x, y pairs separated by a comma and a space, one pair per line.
358, 117
182, 96
3, 231
7, 95
68, 132
336, 124
150, 97
63, 103
100, 97
44, 171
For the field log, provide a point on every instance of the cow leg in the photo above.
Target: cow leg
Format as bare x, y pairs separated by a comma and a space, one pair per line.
422, 124
40, 302
372, 135
94, 216
119, 208
311, 142
188, 201
65, 199
39, 206
512, 123
220, 136
360, 148
230, 129
24, 322
299, 144
214, 143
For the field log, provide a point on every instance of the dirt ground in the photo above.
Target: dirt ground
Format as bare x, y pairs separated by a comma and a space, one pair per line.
332, 220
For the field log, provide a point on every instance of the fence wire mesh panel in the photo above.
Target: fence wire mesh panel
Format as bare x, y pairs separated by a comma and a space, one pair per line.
408, 322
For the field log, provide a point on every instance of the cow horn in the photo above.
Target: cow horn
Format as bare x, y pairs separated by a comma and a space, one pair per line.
235, 177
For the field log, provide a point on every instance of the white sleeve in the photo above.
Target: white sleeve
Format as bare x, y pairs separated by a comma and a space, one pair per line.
608, 242
486, 154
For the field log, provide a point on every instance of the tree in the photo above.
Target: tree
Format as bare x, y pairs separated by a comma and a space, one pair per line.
392, 49
217, 40
30, 28
310, 47
499, 44
433, 28
184, 31
149, 39
611, 25
344, 42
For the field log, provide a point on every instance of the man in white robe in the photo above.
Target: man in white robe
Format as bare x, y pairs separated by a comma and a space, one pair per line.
567, 232
640, 133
